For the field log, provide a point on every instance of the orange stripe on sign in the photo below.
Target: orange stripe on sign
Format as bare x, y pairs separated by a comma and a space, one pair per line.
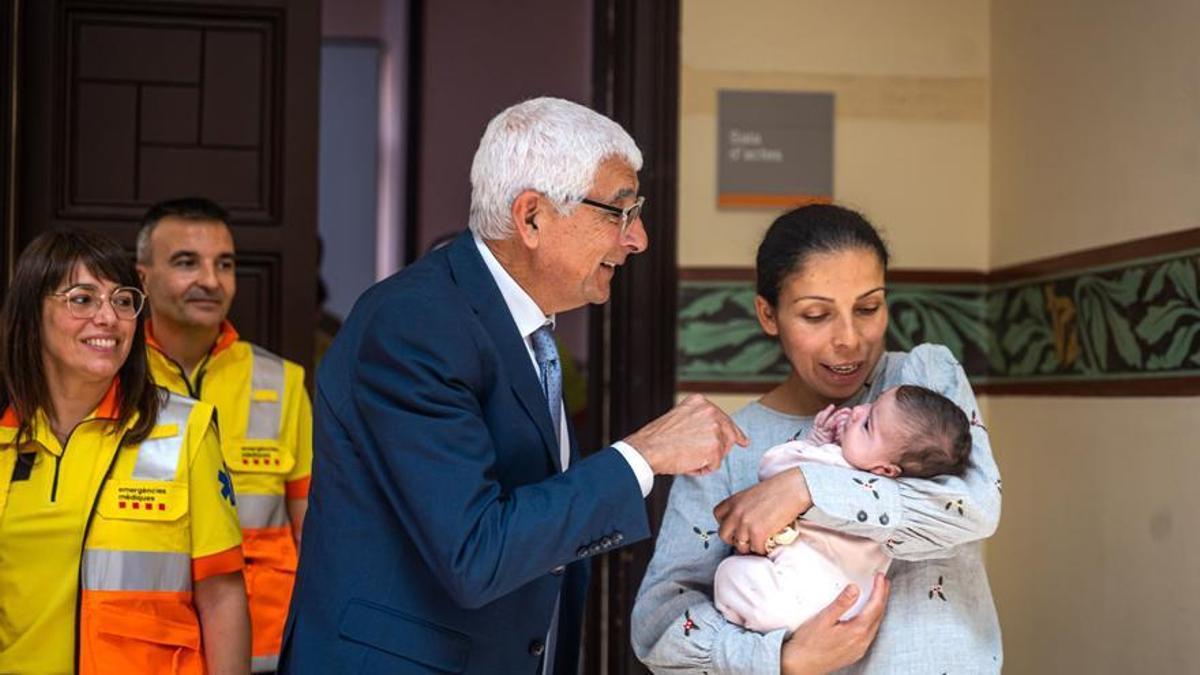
229, 560
297, 489
753, 199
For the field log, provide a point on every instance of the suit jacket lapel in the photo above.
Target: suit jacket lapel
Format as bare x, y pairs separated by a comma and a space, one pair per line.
472, 275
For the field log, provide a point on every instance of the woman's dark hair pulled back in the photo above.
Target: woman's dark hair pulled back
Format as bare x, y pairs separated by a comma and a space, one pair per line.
811, 230
47, 262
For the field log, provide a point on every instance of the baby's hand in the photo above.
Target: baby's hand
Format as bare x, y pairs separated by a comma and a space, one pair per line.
821, 433
828, 425
840, 419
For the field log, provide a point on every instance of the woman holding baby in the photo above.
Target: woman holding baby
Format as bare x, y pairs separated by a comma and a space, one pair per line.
821, 293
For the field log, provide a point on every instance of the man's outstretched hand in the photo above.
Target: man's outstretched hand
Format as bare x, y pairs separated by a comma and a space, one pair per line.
691, 438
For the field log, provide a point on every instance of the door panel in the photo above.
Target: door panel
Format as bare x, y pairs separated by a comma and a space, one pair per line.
129, 103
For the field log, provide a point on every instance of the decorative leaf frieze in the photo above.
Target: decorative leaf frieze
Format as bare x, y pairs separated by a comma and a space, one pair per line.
1132, 320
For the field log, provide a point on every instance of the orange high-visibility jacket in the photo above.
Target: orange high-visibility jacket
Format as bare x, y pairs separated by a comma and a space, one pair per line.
158, 516
265, 421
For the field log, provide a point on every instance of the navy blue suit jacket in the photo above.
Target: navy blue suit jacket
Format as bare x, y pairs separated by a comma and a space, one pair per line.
440, 529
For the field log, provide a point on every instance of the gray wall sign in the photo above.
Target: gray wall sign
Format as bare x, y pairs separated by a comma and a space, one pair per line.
775, 148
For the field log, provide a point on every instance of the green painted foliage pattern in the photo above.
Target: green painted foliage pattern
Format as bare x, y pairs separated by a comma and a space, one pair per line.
1141, 318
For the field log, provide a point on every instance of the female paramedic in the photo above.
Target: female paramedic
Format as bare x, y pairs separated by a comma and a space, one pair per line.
120, 550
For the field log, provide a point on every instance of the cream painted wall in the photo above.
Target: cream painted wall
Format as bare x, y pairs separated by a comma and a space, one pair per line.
1094, 124
1095, 140
1025, 130
1094, 567
911, 132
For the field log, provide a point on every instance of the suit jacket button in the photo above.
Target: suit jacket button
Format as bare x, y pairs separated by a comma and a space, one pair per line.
537, 648
557, 571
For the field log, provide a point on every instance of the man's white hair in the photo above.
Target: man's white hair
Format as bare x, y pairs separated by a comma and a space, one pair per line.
548, 145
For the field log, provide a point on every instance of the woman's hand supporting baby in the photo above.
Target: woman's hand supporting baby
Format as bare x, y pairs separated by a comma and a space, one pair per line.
747, 519
751, 517
823, 643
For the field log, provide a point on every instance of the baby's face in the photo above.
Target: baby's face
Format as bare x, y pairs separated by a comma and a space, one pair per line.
874, 435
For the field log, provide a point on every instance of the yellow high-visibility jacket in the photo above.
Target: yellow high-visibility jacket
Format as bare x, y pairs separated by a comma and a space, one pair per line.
265, 422
100, 544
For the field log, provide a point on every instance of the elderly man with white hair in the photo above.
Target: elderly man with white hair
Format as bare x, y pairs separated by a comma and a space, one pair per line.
452, 518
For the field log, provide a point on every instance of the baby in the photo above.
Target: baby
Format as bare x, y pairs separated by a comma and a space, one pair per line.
908, 431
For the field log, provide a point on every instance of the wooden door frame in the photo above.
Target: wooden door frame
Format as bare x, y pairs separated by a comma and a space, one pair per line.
631, 356
10, 33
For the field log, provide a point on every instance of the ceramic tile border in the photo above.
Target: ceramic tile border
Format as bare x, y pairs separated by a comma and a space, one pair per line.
1119, 320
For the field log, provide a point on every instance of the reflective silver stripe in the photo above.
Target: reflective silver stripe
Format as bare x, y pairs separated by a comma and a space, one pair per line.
158, 458
265, 416
106, 570
256, 511
264, 664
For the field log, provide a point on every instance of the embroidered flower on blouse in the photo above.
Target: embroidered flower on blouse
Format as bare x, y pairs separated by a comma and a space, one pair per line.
975, 421
704, 535
957, 504
999, 486
689, 625
936, 589
892, 543
868, 485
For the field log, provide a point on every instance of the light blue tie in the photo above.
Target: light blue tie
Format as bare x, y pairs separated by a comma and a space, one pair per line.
546, 354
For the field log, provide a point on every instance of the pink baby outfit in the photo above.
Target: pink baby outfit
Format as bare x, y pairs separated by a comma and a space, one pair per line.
793, 582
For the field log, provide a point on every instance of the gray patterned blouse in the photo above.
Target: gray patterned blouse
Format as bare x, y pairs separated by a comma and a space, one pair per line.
940, 617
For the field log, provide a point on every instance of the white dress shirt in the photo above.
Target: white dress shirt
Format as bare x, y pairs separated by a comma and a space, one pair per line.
529, 317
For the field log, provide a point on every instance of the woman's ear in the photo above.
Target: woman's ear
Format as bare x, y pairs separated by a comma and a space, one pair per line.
766, 316
888, 470
526, 209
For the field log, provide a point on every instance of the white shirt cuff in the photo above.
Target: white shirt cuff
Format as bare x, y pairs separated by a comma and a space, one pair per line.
641, 468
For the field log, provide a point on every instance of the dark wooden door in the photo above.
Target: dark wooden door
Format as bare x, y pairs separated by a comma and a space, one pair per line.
124, 103
8, 90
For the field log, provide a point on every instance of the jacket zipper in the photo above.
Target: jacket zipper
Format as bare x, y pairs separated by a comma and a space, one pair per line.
87, 528
54, 485
193, 392
58, 463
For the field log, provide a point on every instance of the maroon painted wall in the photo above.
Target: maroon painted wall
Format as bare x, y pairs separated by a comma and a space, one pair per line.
479, 57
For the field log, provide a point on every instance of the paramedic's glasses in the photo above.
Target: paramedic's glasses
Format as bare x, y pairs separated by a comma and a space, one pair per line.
628, 214
84, 302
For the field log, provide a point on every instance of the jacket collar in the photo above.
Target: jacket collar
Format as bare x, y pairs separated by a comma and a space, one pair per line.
225, 338
108, 409
472, 276
523, 308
